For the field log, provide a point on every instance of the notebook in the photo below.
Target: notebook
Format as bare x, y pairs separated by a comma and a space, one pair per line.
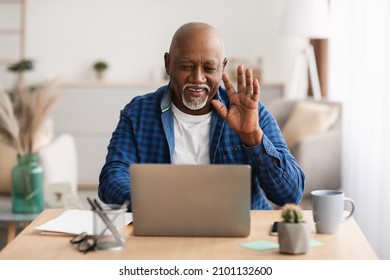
190, 200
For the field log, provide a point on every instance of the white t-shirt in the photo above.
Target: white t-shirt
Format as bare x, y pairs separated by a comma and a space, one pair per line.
191, 137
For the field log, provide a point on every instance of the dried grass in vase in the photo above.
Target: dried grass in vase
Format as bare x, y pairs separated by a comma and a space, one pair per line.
23, 121
22, 127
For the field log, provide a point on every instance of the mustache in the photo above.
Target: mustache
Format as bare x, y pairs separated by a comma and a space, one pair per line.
196, 86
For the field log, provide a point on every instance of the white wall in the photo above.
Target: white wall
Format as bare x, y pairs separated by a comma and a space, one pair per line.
65, 37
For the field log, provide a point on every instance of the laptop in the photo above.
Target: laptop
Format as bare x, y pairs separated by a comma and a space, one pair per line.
191, 200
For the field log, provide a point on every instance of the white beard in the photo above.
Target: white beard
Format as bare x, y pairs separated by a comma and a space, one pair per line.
196, 103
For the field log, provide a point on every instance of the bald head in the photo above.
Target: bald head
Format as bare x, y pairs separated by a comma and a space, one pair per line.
199, 31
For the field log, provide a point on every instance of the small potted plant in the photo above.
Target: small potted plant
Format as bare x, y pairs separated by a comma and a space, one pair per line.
293, 232
21, 66
100, 67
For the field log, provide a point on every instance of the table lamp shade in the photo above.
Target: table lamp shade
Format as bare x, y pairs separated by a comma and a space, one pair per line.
306, 18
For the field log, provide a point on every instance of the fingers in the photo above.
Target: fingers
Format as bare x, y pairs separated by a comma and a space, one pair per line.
241, 83
256, 90
228, 85
249, 81
246, 84
220, 108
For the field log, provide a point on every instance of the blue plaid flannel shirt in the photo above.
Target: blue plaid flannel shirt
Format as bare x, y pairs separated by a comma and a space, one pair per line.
145, 134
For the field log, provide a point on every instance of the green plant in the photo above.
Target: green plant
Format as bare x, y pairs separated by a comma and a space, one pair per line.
291, 213
21, 66
293, 232
100, 66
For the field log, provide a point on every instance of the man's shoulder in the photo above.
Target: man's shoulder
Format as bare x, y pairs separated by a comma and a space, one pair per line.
152, 96
148, 99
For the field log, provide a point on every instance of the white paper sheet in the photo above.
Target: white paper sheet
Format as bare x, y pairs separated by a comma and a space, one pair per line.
73, 222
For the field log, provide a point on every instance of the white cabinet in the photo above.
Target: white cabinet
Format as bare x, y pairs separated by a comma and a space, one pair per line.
90, 112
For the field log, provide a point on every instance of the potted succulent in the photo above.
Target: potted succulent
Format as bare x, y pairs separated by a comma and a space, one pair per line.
20, 67
293, 232
100, 67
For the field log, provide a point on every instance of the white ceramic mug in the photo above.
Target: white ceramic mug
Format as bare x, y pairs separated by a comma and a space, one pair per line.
328, 208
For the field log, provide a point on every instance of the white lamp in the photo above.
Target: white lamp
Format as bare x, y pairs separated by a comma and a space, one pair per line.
308, 19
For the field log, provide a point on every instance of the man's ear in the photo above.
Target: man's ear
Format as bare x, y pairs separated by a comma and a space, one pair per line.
167, 60
224, 63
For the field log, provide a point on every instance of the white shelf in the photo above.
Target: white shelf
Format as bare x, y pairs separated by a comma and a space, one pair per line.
11, 1
7, 61
94, 84
11, 31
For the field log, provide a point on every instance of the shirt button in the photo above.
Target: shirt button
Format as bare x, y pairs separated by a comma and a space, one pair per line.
268, 149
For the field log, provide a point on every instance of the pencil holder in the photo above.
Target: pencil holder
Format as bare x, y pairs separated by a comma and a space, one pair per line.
109, 228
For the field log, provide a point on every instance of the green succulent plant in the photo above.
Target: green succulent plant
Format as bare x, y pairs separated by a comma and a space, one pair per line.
291, 213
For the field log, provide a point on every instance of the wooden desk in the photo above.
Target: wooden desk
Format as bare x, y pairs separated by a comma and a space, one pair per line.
349, 243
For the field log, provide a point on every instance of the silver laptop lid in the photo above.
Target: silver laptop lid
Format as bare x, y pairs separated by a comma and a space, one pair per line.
190, 200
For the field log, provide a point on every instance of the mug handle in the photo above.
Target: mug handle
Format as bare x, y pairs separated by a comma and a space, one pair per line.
352, 203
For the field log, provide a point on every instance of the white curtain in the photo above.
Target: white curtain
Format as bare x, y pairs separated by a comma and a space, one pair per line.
359, 76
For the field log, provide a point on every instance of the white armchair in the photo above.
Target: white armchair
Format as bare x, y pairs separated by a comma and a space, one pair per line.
312, 130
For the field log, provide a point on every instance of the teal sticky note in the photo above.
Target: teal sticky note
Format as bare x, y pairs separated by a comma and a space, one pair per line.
260, 245
314, 243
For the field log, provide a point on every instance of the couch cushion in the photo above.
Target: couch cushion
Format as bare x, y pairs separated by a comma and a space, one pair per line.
309, 118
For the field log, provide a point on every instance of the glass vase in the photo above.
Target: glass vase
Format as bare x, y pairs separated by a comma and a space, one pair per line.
27, 185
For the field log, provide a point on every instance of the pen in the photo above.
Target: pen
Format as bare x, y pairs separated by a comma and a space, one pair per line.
123, 206
96, 207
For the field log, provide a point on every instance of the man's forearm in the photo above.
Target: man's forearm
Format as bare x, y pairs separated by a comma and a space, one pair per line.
278, 173
114, 186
